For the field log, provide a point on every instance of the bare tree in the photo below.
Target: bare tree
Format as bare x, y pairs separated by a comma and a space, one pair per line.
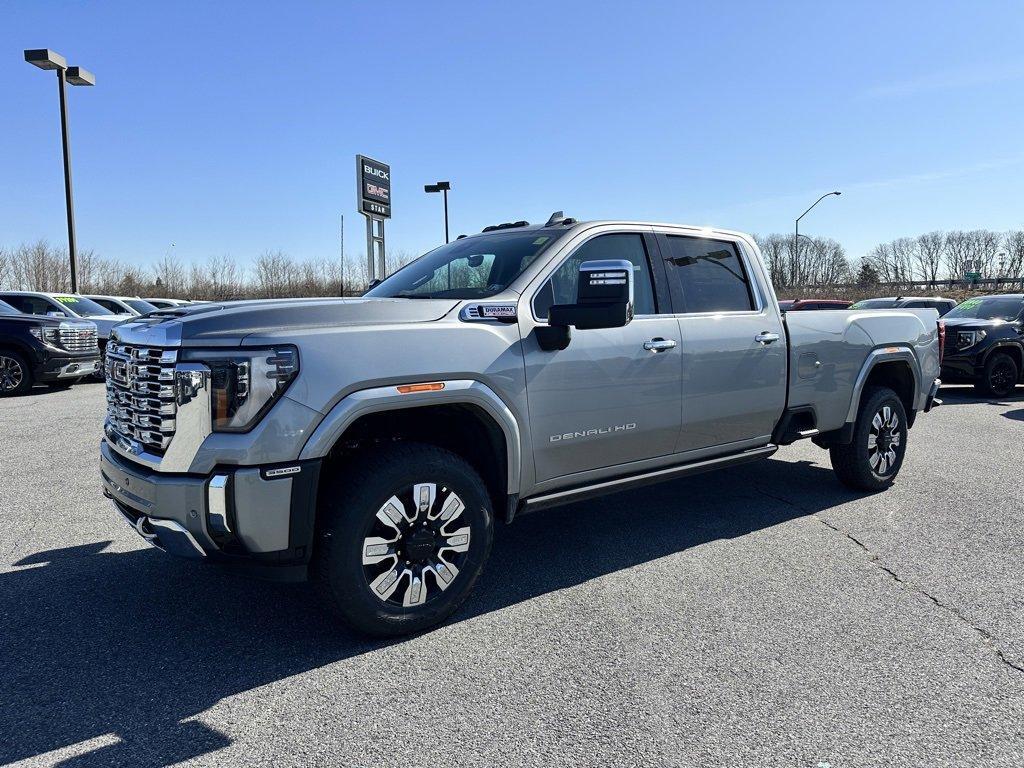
774, 249
169, 275
928, 255
1014, 244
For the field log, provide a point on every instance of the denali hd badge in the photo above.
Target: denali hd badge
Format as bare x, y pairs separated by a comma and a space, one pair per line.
592, 432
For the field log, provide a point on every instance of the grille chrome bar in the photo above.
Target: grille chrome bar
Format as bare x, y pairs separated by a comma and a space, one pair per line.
78, 338
140, 394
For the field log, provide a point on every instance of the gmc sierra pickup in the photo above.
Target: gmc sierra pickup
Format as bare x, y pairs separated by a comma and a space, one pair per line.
370, 443
34, 349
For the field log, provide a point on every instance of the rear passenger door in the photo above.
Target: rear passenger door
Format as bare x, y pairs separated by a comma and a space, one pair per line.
732, 341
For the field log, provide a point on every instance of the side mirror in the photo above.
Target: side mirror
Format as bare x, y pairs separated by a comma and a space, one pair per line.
604, 299
55, 313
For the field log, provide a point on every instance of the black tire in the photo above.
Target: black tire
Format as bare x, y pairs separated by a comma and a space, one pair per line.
15, 374
1000, 376
349, 513
855, 464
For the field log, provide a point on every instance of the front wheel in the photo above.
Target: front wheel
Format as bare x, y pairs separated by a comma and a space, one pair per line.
15, 375
871, 461
405, 532
1000, 376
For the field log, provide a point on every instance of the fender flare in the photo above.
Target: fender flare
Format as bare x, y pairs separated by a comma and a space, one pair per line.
1001, 345
377, 399
885, 355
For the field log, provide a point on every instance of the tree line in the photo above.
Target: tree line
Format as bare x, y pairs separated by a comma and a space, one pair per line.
819, 263
933, 256
272, 274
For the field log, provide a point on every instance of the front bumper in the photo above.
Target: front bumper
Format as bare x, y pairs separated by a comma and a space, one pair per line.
255, 517
67, 367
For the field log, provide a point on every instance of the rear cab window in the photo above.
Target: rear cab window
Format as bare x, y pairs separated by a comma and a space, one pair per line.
707, 275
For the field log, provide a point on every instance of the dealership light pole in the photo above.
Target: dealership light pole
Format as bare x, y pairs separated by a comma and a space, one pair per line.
47, 59
441, 186
796, 229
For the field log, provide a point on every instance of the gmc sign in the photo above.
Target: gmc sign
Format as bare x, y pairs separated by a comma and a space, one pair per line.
374, 178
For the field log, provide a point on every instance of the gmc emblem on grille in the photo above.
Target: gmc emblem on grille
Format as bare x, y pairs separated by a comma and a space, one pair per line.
119, 372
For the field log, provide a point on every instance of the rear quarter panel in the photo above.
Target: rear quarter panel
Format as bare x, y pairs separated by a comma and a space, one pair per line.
830, 349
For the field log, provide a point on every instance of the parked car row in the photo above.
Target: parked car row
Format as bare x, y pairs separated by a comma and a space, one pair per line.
984, 336
938, 303
59, 338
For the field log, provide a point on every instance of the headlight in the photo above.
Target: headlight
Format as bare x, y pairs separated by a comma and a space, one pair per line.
965, 339
245, 383
47, 334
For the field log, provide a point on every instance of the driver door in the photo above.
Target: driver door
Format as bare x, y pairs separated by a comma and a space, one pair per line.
606, 399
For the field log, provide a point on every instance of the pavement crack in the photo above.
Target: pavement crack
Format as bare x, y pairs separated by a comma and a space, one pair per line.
986, 637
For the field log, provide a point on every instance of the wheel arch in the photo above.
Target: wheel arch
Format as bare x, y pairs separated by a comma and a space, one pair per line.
893, 367
1006, 347
465, 417
13, 345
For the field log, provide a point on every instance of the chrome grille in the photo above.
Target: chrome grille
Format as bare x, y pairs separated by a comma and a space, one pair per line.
140, 393
78, 338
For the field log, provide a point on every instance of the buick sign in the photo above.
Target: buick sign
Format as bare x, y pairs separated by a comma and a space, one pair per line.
374, 179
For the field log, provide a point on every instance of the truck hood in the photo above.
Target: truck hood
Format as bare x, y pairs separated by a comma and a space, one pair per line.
34, 320
973, 323
228, 323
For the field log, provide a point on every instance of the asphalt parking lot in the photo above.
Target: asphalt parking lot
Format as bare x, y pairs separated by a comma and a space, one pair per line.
762, 616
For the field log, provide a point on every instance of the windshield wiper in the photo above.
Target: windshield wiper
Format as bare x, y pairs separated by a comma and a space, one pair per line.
408, 295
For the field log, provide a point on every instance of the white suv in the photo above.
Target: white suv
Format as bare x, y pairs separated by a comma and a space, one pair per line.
131, 305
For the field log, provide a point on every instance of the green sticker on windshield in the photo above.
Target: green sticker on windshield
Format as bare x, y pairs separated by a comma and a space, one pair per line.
969, 304
67, 299
541, 240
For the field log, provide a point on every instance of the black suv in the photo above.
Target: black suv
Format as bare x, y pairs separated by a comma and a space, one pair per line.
44, 349
985, 344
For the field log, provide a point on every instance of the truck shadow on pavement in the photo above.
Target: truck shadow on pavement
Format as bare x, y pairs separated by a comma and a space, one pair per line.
122, 649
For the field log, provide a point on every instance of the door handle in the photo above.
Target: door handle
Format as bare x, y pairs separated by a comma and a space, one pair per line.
765, 338
658, 344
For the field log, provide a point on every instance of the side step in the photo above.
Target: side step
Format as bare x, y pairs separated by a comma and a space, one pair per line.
557, 498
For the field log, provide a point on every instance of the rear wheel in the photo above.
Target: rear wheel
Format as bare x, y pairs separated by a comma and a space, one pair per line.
871, 461
405, 532
15, 375
1000, 376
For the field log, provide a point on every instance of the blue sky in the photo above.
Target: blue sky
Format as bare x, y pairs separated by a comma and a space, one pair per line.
232, 128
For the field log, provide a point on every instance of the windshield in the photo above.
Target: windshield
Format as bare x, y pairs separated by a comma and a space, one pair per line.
139, 305
82, 306
996, 308
7, 309
470, 268
874, 304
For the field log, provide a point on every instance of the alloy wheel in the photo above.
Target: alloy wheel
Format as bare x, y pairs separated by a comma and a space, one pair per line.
11, 374
884, 440
1001, 379
415, 547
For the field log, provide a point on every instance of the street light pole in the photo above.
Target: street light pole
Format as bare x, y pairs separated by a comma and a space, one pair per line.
796, 230
69, 200
47, 59
441, 186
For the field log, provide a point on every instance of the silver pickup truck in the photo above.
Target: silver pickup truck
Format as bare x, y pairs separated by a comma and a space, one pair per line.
369, 444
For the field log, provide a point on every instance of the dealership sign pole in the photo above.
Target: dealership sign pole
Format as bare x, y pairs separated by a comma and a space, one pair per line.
374, 196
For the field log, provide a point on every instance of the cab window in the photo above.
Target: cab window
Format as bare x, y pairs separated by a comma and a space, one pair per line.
560, 288
710, 275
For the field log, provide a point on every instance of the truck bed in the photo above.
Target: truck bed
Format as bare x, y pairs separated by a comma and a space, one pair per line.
828, 351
